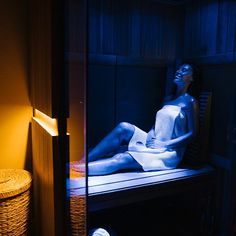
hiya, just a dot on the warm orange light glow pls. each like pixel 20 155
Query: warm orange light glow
pixel 14 136
pixel 48 123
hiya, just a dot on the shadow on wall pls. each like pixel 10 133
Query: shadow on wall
pixel 28 156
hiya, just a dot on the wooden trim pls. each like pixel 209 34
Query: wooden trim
pixel 112 60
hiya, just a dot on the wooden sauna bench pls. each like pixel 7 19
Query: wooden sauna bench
pixel 123 188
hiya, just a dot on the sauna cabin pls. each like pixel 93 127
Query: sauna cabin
pixel 93 64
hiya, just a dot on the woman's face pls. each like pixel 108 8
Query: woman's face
pixel 183 75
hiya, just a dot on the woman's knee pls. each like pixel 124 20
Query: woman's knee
pixel 125 130
pixel 125 161
pixel 119 159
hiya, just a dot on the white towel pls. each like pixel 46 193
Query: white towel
pixel 165 121
pixel 165 129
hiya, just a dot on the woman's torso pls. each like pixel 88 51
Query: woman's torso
pixel 183 105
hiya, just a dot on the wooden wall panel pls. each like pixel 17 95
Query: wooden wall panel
pixel 76 26
pixel 210 30
pixel 48 84
pixel 49 184
pixel 41 56
pixel 134 28
pixel 43 180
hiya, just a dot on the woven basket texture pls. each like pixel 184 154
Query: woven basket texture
pixel 77 205
pixel 14 201
pixel 78 215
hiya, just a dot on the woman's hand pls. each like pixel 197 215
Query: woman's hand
pixel 150 135
pixel 154 143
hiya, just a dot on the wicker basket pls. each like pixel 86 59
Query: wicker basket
pixel 77 205
pixel 14 201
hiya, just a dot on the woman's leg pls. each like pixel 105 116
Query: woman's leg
pixel 123 132
pixel 110 165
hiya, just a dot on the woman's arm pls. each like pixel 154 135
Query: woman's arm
pixel 192 119
pixel 151 134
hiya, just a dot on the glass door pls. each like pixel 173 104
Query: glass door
pixel 76 62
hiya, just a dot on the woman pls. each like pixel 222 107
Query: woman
pixel 159 149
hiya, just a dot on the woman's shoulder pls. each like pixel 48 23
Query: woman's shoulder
pixel 190 98
pixel 190 101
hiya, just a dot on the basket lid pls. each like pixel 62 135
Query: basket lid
pixel 13 182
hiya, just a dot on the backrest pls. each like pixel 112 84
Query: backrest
pixel 197 150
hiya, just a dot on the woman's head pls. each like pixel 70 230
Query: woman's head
pixel 184 75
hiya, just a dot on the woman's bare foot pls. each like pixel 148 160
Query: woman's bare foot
pixel 79 166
